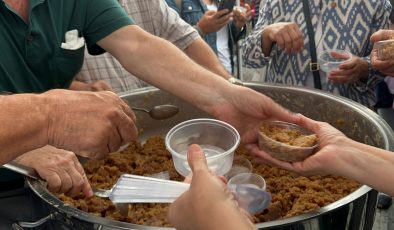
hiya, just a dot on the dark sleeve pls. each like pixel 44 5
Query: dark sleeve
pixel 103 17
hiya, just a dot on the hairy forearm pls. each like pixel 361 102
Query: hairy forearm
pixel 201 53
pixel 142 54
pixel 24 124
pixel 366 164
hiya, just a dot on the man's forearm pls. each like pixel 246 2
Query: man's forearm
pixel 23 124
pixel 201 52
pixel 142 54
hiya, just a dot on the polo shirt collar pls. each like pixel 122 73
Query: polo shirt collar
pixel 32 3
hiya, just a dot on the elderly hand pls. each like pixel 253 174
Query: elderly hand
pixel 287 36
pixel 331 142
pixel 89 124
pixel 241 18
pixel 349 72
pixel 213 21
pixel 208 204
pixel 386 66
pixel 59 168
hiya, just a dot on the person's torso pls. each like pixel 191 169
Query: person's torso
pixel 192 11
pixel 345 25
pixel 35 60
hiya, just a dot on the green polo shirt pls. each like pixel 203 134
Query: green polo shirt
pixel 32 59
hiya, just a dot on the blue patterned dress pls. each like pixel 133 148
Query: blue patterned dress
pixel 348 26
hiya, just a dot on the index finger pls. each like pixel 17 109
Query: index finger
pixel 382 35
pixel 347 65
pixel 307 123
pixel 128 110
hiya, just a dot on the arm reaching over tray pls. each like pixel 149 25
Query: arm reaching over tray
pixel 342 156
pixel 90 124
pixel 242 107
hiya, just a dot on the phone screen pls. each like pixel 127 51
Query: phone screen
pixel 226 4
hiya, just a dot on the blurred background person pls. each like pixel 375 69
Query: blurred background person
pixel 220 29
pixel 280 40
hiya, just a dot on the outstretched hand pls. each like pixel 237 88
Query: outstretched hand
pixel 330 141
pixel 246 109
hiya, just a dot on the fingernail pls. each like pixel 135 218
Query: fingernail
pixel 90 193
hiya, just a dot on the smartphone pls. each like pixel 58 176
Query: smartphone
pixel 226 4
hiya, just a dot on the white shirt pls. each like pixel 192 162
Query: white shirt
pixel 157 18
pixel 222 38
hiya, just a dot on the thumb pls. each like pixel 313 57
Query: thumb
pixel 308 123
pixel 382 35
pixel 196 158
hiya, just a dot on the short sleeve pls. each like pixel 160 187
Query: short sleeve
pixel 103 17
pixel 172 27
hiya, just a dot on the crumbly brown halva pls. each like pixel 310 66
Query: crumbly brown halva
pixel 291 194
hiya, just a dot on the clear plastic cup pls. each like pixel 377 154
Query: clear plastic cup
pixel 217 139
pixel 330 60
pixel 240 165
pixel 249 191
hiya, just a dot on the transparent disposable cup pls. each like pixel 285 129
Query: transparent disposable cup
pixel 240 165
pixel 217 139
pixel 330 60
pixel 249 191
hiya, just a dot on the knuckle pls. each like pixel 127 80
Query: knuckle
pixel 54 185
pixel 79 182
